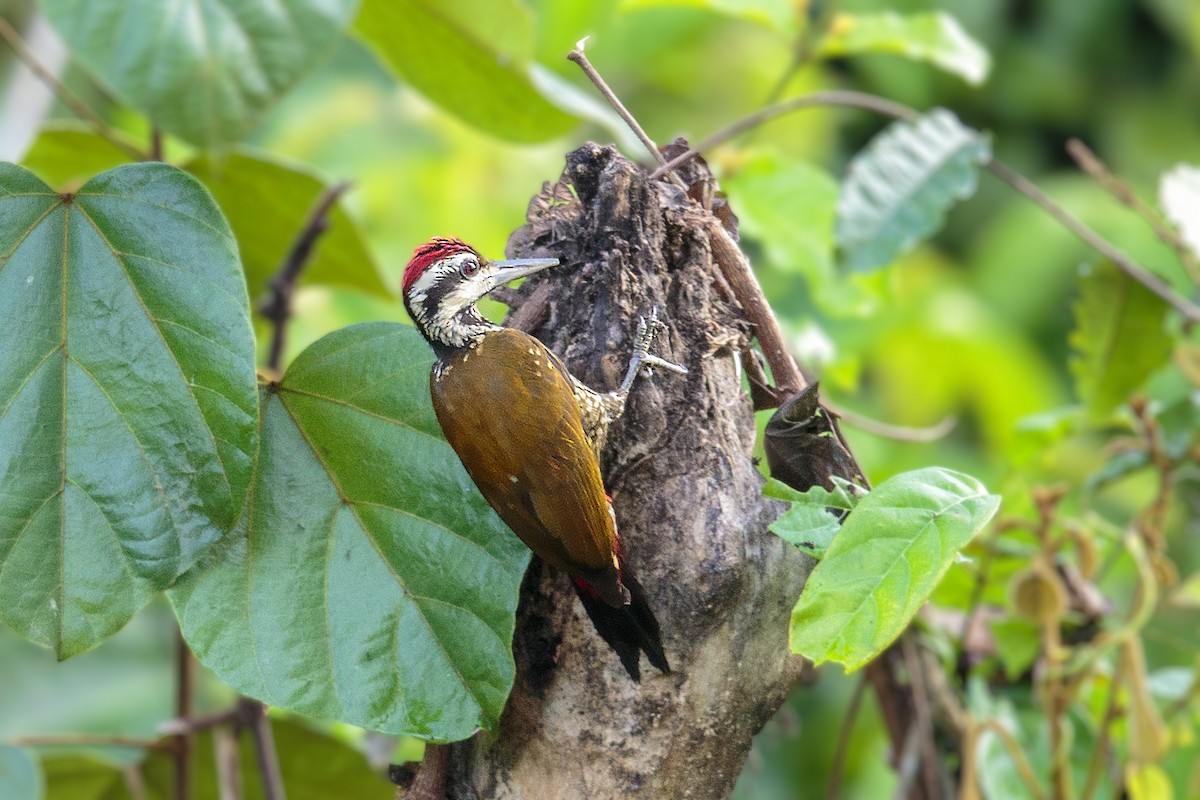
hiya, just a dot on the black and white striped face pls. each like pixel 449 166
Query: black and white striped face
pixel 444 280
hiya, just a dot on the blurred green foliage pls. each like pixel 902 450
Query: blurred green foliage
pixel 974 324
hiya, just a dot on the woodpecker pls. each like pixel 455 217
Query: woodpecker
pixel 529 434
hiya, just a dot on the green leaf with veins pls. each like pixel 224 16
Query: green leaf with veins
pixel 899 187
pixel 809 523
pixel 204 70
pixel 127 395
pixel 369 581
pixel 935 37
pixel 892 550
pixel 1119 339
pixel 471 58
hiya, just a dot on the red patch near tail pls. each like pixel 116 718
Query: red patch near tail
pixel 432 251
pixel 587 587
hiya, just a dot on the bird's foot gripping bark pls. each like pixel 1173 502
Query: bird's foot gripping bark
pixel 642 358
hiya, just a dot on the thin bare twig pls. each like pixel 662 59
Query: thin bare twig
pixel 899 433
pixel 69 98
pixel 843 742
pixel 1090 163
pixel 277 308
pixel 1189 310
pixel 846 99
pixel 264 749
pixel 579 58
pixel 185 678
pixel 1026 187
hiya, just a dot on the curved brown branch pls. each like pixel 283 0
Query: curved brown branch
pixel 277 308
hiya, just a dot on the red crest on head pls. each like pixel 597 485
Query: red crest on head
pixel 432 251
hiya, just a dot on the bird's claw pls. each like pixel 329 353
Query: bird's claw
pixel 648 327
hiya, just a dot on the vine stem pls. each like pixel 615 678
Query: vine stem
pixel 1024 186
pixel 69 98
pixel 1090 163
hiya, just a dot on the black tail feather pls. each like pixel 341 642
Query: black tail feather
pixel 629 630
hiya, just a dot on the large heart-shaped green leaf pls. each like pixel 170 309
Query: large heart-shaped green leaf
pixel 471 57
pixel 892 550
pixel 370 581
pixel 204 70
pixel 127 395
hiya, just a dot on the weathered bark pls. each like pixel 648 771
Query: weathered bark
pixel 687 497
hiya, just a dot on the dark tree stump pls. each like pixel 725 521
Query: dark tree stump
pixel 687 496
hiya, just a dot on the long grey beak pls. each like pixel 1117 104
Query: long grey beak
pixel 519 267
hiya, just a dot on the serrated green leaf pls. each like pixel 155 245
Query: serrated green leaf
pixel 20 778
pixel 127 400
pixel 267 202
pixel 935 37
pixel 371 582
pixel 470 57
pixel 1179 196
pixel 204 70
pixel 899 187
pixel 789 207
pixel 892 550
pixel 1119 338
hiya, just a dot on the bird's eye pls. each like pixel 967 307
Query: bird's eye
pixel 469 267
